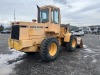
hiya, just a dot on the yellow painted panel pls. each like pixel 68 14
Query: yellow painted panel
pixel 24 33
pixel 10 43
pixel 20 44
pixel 17 45
pixel 67 37
pixel 54 28
pixel 31 49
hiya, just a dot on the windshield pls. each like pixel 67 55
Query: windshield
pixel 44 16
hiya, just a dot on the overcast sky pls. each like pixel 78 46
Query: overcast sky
pixel 75 12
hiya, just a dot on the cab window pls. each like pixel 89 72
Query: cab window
pixel 55 16
pixel 44 15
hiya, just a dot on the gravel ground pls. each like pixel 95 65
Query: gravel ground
pixel 85 61
pixel 4 43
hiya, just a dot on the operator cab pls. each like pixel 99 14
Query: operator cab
pixel 48 14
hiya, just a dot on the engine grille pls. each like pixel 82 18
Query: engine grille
pixel 15 32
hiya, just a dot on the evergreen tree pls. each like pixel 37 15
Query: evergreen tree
pixel 1 27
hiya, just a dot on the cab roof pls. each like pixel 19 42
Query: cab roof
pixel 49 6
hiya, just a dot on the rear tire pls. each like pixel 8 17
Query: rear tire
pixel 71 46
pixel 49 49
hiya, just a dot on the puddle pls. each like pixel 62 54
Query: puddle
pixel 5 67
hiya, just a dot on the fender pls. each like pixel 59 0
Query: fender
pixel 67 37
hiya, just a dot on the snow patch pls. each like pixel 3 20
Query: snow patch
pixel 5 67
pixel 85 46
pixel 94 60
pixel 86 56
pixel 6 57
pixel 88 49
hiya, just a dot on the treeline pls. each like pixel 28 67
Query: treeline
pixel 1 28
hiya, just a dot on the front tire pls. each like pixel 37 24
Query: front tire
pixel 49 49
pixel 71 46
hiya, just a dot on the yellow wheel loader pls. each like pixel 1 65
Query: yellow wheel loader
pixel 44 36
